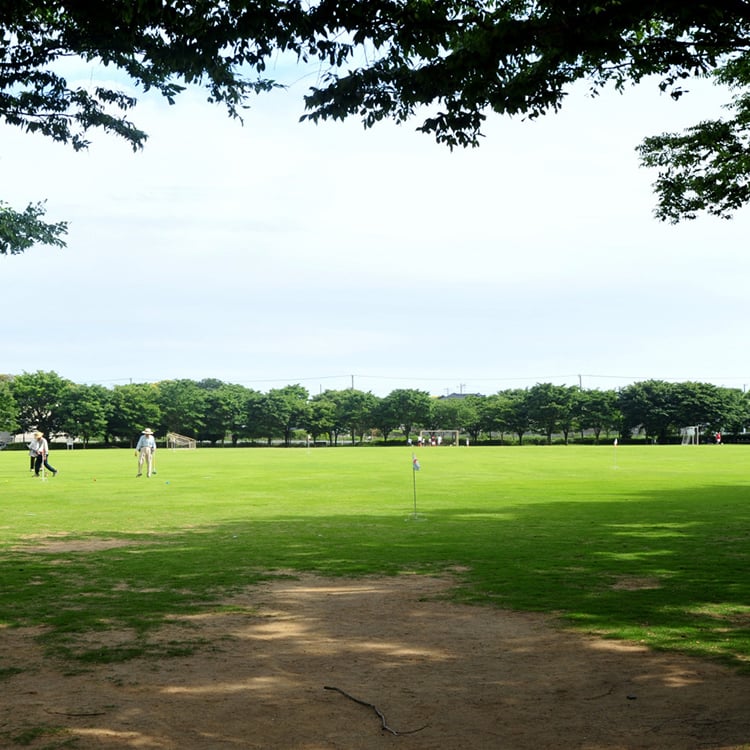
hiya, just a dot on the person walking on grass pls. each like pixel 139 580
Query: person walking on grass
pixel 145 449
pixel 40 447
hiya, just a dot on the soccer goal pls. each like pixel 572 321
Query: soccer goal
pixel 180 441
pixel 439 437
pixel 690 435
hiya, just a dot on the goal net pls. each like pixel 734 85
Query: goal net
pixel 179 441
pixel 439 437
pixel 690 435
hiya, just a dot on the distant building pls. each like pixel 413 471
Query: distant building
pixel 460 395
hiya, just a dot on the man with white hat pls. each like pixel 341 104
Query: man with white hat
pixel 145 449
pixel 40 449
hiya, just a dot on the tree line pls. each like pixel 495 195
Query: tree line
pixel 215 412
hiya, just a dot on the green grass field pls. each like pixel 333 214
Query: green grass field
pixel 650 544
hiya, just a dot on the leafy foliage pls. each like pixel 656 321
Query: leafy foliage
pixel 448 62
pixel 705 168
pixel 518 57
pixel 134 406
pixel 85 409
pixel 407 407
pixel 8 409
pixel 21 230
pixel 213 411
pixel 38 396
pixel 155 44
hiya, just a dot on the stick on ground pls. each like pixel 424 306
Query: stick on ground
pixel 383 722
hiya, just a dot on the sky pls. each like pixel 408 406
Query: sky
pixel 276 252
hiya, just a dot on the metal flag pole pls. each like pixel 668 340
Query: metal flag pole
pixel 615 454
pixel 415 468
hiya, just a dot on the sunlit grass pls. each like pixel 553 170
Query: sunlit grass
pixel 646 543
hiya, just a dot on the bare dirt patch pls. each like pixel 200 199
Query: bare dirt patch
pixel 635 583
pixel 63 543
pixel 464 677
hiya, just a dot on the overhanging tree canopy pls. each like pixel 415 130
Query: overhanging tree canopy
pixel 388 59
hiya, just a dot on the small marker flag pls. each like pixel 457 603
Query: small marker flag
pixel 415 463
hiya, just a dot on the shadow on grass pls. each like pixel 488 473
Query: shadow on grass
pixel 668 569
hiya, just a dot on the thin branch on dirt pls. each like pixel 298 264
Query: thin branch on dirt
pixel 602 695
pixel 65 713
pixel 376 710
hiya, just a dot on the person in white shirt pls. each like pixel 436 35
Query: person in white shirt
pixel 145 449
pixel 40 448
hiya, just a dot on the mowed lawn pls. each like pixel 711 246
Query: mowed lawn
pixel 647 543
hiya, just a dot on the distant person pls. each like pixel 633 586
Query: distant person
pixel 718 438
pixel 32 456
pixel 145 449
pixel 40 446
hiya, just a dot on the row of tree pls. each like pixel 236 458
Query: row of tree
pixel 212 411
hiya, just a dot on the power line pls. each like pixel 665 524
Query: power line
pixel 351 378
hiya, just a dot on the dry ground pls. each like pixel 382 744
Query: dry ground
pixel 461 676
